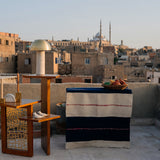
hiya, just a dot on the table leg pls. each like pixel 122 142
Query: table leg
pixel 45 108
pixel 3 129
pixel 30 131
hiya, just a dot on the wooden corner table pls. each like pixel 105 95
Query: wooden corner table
pixel 17 126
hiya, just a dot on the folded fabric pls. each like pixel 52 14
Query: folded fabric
pixel 98 117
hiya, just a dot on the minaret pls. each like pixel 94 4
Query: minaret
pixel 100 43
pixel 109 32
pixel 52 39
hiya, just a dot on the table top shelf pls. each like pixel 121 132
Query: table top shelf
pixel 39 120
pixel 23 103
pixel 49 76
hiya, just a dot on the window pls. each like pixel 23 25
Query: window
pixel 87 60
pixel 27 61
pixel 6 59
pixel 56 60
pixel 7 42
pixel 1 59
pixel 106 61
pixel 87 81
pixel 58 80
pixel 113 77
pixel 0 41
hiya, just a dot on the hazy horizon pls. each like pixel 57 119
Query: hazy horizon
pixel 135 22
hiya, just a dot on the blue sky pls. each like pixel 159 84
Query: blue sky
pixel 136 22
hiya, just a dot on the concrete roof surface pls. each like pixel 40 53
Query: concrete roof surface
pixel 145 145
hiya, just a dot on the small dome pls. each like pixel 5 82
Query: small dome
pixel 40 45
pixel 97 35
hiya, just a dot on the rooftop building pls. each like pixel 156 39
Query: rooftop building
pixel 7 52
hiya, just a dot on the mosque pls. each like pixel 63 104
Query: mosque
pixel 97 40
pixel 100 38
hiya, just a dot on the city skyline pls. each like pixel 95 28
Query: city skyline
pixel 134 22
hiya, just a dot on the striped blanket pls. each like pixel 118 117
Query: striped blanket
pixel 98 117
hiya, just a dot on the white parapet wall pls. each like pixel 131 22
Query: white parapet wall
pixel 145 95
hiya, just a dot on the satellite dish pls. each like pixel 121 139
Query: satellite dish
pixel 10 98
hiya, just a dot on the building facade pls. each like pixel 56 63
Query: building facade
pixel 99 65
pixel 7 52
pixel 22 46
pixel 26 62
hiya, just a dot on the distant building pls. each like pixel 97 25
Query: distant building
pixel 156 60
pixel 7 52
pixel 123 59
pixel 22 46
pixel 94 43
pixel 65 57
pixel 135 74
pixel 153 76
pixel 99 65
pixel 146 49
pixel 96 40
pixel 63 79
pixel 26 63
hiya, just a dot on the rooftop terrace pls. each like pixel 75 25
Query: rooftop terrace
pixel 145 145
pixel 145 134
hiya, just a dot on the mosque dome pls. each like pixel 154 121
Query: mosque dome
pixel 40 45
pixel 97 37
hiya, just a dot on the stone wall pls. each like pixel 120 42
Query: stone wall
pixel 77 79
pixel 135 74
pixel 50 66
pixel 66 57
pixel 23 67
pixel 107 49
pixel 64 69
pixel 116 71
pixel 96 60
pixel 49 63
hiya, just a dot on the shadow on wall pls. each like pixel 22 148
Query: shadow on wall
pixel 145 100
pixel 158 104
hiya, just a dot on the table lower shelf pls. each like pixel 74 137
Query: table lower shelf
pixel 39 120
